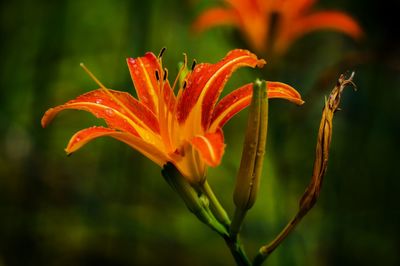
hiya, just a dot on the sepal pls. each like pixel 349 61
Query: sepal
pixel 195 201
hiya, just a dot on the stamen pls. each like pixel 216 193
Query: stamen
pixel 162 52
pixel 112 96
pixel 184 85
pixel 163 111
pixel 193 64
pixel 180 71
pixel 93 76
pixel 157 75
pixel 165 74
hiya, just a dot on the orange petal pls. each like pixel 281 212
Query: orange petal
pixel 283 91
pixel 302 6
pixel 333 20
pixel 291 9
pixel 86 135
pixel 254 21
pixel 143 72
pixel 241 98
pixel 205 83
pixel 210 146
pixel 214 17
pixel 127 114
pixel 252 18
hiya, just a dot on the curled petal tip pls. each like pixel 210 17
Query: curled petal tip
pixel 284 91
pixel 261 63
pixel 68 152
pixel 47 117
pixel 43 123
pixel 298 101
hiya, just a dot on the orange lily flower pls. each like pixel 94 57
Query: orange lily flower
pixel 272 25
pixel 184 129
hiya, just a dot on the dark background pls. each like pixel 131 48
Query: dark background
pixel 108 205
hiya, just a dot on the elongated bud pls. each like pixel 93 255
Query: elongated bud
pixel 311 194
pixel 248 178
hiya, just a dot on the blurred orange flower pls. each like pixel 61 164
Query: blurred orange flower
pixel 272 25
pixel 184 129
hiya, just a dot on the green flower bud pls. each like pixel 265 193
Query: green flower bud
pixel 248 178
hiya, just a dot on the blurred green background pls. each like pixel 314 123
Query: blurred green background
pixel 108 205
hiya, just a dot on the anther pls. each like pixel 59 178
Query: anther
pixel 162 52
pixel 157 75
pixel 165 74
pixel 184 85
pixel 193 64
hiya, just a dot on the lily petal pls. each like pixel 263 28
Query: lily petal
pixel 215 17
pixel 84 136
pixel 119 109
pixel 253 18
pixel 210 146
pixel 334 20
pixel 302 6
pixel 293 9
pixel 205 83
pixel 283 91
pixel 272 25
pixel 143 72
pixel 239 99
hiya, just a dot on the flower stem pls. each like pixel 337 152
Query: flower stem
pixel 215 205
pixel 266 250
pixel 237 220
pixel 237 251
pixel 196 203
pixel 232 241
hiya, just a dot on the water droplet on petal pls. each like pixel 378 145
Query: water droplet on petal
pixel 110 112
pixel 99 101
pixel 137 72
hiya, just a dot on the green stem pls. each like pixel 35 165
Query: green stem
pixel 237 251
pixel 266 250
pixel 237 221
pixel 235 247
pixel 196 203
pixel 215 205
